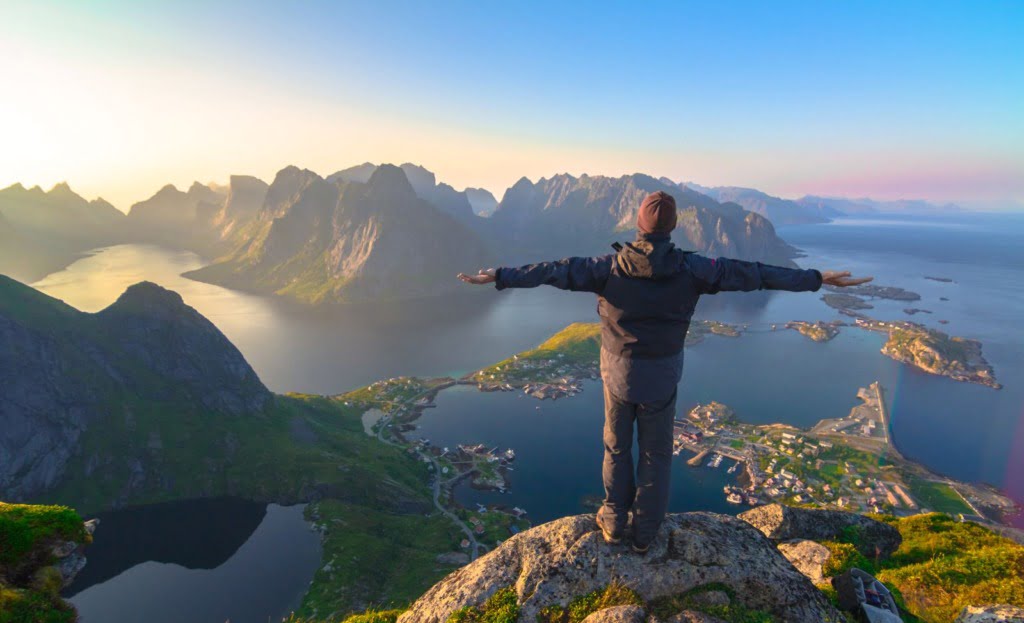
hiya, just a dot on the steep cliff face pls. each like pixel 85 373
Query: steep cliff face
pixel 347 241
pixel 67 376
pixel 549 566
pixel 570 215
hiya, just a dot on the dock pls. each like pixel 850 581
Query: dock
pixel 699 458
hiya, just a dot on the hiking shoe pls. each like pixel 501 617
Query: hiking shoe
pixel 641 548
pixel 612 537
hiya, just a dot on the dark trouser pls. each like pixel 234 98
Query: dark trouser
pixel 647 494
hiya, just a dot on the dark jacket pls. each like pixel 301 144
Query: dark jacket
pixel 648 290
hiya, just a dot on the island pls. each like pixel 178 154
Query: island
pixel 558 367
pixel 845 302
pixel 933 351
pixel 910 311
pixel 819 331
pixel 891 293
pixel 940 279
pixel 847 463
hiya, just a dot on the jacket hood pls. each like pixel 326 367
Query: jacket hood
pixel 650 256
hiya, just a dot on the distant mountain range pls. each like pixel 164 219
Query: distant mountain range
pixel 815 209
pixel 867 207
pixel 381 232
pixel 567 215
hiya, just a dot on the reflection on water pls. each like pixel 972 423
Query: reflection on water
pixel 200 534
pixel 202 561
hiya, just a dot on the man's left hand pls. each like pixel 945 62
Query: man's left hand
pixel 842 279
pixel 483 277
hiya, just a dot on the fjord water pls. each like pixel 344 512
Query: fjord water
pixel 966 431
pixel 202 560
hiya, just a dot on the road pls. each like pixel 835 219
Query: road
pixel 474 545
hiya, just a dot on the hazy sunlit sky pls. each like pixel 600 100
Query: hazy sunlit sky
pixel 888 99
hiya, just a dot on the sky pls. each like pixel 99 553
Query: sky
pixel 882 99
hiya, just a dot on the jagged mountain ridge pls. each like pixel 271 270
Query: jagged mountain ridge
pixel 581 215
pixel 67 375
pixel 423 181
pixel 342 240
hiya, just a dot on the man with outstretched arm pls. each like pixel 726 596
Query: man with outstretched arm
pixel 646 294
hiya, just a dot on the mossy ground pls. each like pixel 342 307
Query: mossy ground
pixel 615 594
pixel 941 566
pixel 501 607
pixel 29 586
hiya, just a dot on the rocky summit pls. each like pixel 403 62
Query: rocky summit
pixel 551 565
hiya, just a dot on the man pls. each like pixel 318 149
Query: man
pixel 646 295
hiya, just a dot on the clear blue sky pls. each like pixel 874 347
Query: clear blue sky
pixel 888 99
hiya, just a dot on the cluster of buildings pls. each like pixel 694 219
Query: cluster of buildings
pixel 540 378
pixel 782 464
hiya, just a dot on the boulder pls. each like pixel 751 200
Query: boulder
pixel 991 614
pixel 784 523
pixel 617 614
pixel 808 557
pixel 553 563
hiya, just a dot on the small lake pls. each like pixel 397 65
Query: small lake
pixel 201 561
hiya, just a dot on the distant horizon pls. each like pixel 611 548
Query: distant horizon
pixel 994 205
pixel 871 99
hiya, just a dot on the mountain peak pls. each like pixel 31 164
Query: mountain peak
pixel 148 295
pixel 62 188
pixel 391 180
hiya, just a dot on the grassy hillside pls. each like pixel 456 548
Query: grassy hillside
pixel 942 566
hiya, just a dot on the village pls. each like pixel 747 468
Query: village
pixel 847 463
pixel 389 409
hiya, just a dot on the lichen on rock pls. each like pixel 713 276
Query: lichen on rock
pixel 555 563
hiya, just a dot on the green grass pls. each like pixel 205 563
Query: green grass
pixel 941 566
pixel 371 556
pixel 29 586
pixel 25 528
pixel 30 606
pixel 582 606
pixel 501 607
pixel 939 497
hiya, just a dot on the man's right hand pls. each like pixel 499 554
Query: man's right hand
pixel 842 279
pixel 483 277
